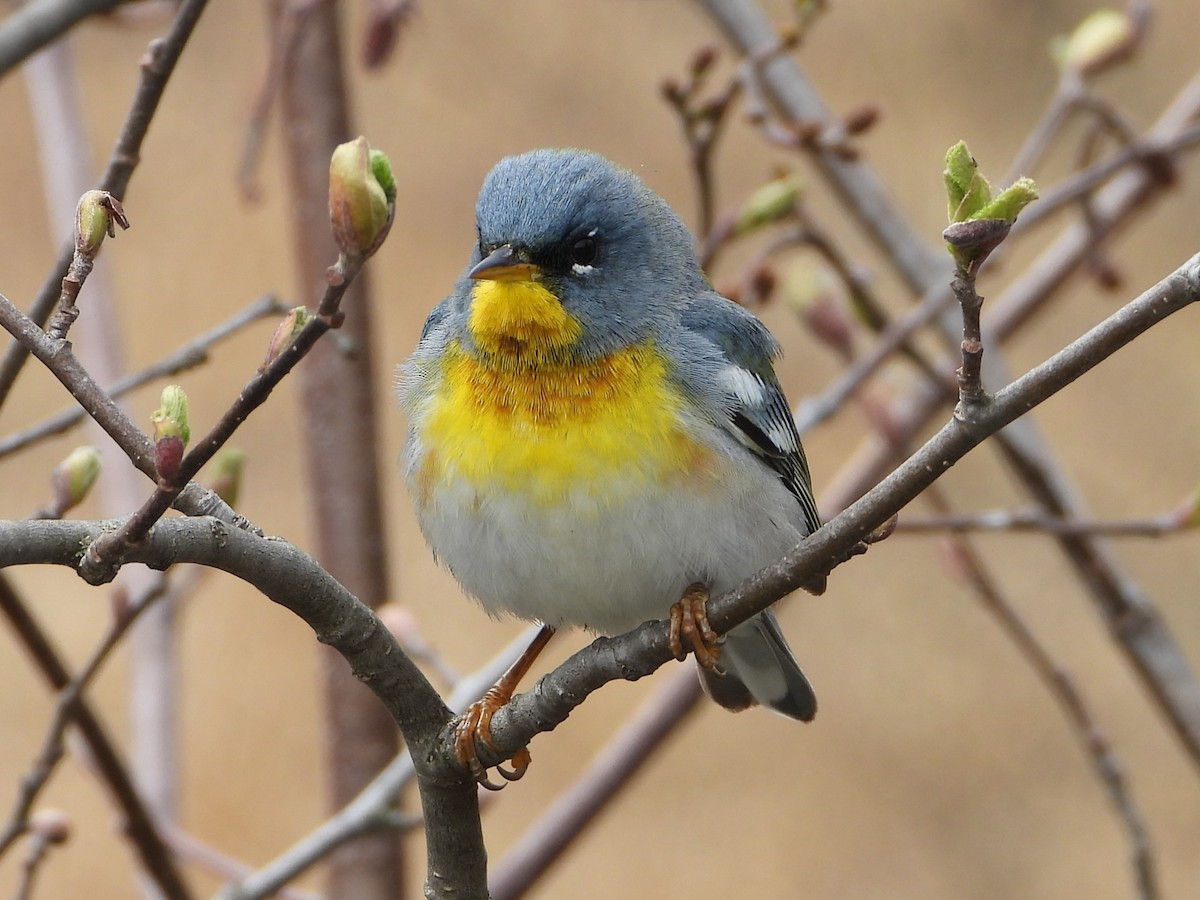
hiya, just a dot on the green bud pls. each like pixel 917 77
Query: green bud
pixel 1104 38
pixel 288 329
pixel 979 222
pixel 74 476
pixel 770 203
pixel 96 218
pixel 359 206
pixel 1008 204
pixel 967 191
pixel 170 420
pixel 225 474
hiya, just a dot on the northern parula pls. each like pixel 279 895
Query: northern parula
pixel 595 433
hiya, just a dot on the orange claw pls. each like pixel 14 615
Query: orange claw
pixel 474 726
pixel 689 622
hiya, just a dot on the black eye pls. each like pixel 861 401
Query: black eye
pixel 583 251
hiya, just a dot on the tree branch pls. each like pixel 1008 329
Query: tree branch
pixel 366 811
pixel 157 66
pixel 59 359
pixel 35 24
pixel 1135 623
pixel 138 824
pixel 635 654
pixel 191 354
pixel 294 580
pixel 1018 521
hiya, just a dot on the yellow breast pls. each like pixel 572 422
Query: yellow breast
pixel 525 418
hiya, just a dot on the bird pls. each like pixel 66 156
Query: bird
pixel 597 438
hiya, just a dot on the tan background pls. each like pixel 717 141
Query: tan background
pixel 938 767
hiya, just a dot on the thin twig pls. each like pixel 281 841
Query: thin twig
pixel 970 381
pixel 191 848
pixel 138 825
pixel 188 356
pixel 36 23
pixel 368 809
pixel 1035 520
pixel 1149 153
pixel 702 122
pixel 814 410
pixel 156 66
pixel 284 40
pixel 1070 700
pixel 37 852
pixel 1067 95
pixel 609 771
pixel 59 359
pixel 64 713
pixel 101 562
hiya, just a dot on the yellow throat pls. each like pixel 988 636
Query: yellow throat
pixel 523 416
pixel 509 313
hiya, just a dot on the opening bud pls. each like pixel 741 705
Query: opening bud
pixel 362 193
pixel 967 191
pixel 96 218
pixel 171 418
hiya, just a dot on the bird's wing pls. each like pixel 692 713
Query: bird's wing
pixel 740 380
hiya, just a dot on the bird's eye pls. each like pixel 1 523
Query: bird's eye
pixel 583 251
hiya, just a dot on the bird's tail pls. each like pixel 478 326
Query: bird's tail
pixel 759 668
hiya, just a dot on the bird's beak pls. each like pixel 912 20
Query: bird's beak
pixel 504 264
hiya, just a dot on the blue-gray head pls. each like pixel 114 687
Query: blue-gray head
pixel 609 250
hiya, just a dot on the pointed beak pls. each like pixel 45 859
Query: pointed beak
pixel 504 264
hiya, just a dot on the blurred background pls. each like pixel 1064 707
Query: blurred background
pixel 938 767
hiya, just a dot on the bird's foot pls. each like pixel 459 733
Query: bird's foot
pixel 473 728
pixel 690 628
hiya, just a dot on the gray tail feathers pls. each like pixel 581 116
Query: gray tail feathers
pixel 759 668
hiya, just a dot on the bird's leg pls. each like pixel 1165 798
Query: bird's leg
pixel 476 723
pixel 689 623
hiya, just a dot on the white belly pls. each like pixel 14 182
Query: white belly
pixel 608 562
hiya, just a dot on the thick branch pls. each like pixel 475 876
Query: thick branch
pixel 633 655
pixel 294 580
pixel 1131 616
